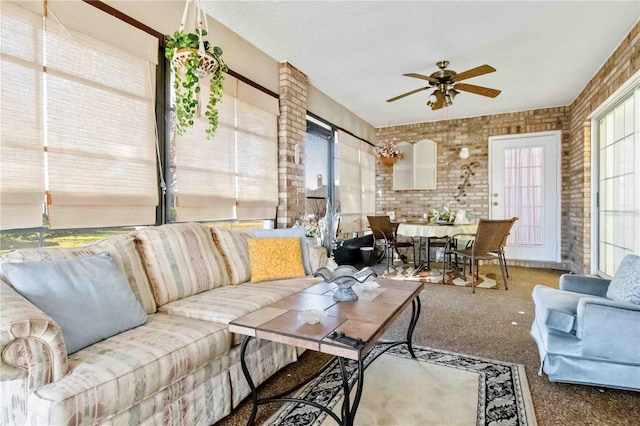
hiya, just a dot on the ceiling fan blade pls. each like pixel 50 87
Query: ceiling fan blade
pixel 478 90
pixel 439 103
pixel 474 72
pixel 407 94
pixel 423 77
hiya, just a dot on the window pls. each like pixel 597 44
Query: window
pixel 617 139
pixel 79 122
pixel 318 171
pixel 96 160
pixel 356 182
pixel 523 192
pixel 233 176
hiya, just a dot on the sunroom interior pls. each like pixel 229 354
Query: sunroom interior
pixel 89 146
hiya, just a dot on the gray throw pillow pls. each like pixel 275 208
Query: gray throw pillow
pixel 285 233
pixel 625 285
pixel 88 297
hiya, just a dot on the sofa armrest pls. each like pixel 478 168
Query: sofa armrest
pixel 31 343
pixel 593 286
pixel 609 329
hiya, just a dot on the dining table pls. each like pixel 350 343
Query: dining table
pixel 424 230
pixel 432 229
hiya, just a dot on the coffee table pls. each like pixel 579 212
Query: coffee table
pixel 349 331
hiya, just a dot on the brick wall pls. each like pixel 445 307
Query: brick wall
pixel 451 135
pixel 621 65
pixel 292 128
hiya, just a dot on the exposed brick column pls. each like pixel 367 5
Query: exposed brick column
pixel 292 128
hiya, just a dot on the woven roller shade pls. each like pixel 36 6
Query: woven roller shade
pixel 368 180
pixel 21 128
pixel 101 168
pixel 350 184
pixel 257 153
pixel 205 168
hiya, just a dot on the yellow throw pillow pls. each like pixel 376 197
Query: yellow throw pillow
pixel 275 259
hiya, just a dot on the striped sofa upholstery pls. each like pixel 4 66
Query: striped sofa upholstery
pixel 234 248
pixel 123 251
pixel 181 260
pixel 181 367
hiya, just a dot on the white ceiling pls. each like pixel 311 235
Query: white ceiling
pixel 356 51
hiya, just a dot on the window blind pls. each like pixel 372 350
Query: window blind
pixel 350 183
pixel 205 168
pixel 257 153
pixel 100 122
pixel 368 180
pixel 22 180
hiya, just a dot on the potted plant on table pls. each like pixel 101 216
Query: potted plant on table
pixel 388 152
pixel 191 60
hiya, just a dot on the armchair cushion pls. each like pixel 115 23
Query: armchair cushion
pixel 88 297
pixel 625 285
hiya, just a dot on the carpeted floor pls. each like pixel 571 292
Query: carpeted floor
pixel 492 324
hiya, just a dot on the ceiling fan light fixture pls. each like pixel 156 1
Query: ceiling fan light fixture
pixel 447 100
pixel 453 93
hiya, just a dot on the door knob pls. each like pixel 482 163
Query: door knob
pixel 495 203
pixel 495 194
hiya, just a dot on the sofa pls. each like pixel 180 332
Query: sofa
pixel 177 363
pixel 588 330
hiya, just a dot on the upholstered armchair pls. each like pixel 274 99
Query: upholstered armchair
pixel 588 331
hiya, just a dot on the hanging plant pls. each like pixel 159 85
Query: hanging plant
pixel 192 59
pixel 190 64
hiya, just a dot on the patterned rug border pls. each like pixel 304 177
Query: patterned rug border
pixel 500 401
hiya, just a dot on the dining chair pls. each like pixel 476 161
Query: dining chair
pixel 504 243
pixel 385 236
pixel 488 244
pixel 435 242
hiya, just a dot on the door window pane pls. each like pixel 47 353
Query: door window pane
pixel 523 188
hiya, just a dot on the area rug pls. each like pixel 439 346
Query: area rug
pixel 406 272
pixel 437 388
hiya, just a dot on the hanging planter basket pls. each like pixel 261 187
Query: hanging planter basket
pixel 207 63
pixel 388 161
pixel 193 62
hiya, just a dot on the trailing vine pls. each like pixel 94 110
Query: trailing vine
pixel 186 83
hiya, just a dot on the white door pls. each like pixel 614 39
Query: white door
pixel 524 174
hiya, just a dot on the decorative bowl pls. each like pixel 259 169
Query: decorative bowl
pixel 345 277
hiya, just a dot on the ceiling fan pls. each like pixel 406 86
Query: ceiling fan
pixel 447 85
